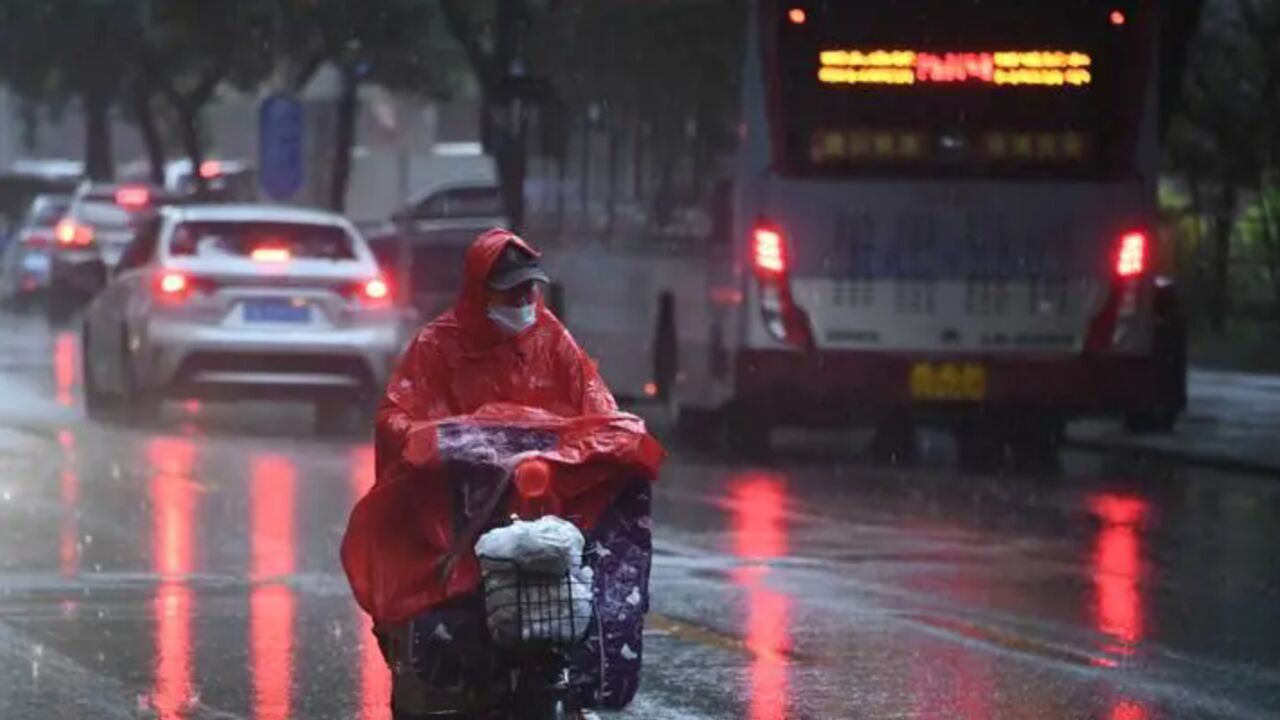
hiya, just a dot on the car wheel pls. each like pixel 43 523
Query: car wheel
pixel 59 308
pixel 98 404
pixel 141 405
pixel 1034 445
pixel 980 447
pixel 894 443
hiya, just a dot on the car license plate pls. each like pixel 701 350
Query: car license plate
pixel 948 381
pixel 36 263
pixel 277 311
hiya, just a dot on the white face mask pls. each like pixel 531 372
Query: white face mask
pixel 513 320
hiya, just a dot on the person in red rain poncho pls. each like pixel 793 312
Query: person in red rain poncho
pixel 498 347
pixel 499 343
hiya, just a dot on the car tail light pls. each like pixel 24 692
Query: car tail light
pixel 375 291
pixel 271 254
pixel 133 196
pixel 176 286
pixel 70 233
pixel 783 317
pixel 210 169
pixel 1131 254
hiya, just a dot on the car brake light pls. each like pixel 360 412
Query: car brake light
pixel 172 283
pixel 1131 254
pixel 768 252
pixel 374 291
pixel 271 254
pixel 210 169
pixel 133 197
pixel 72 233
pixel 377 289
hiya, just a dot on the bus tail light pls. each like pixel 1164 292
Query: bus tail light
pixel 1131 254
pixel 770 259
pixel 1114 324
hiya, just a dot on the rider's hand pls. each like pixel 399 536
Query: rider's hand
pixel 420 446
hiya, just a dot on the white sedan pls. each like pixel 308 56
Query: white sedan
pixel 241 301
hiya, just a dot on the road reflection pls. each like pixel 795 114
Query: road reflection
pixel 173 507
pixel 272 602
pixel 69 497
pixel 1116 569
pixel 760 534
pixel 375 679
pixel 66 360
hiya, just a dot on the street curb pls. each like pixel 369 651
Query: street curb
pixel 1210 461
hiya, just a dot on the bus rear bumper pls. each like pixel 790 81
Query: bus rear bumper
pixel 845 387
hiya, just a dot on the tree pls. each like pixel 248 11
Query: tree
pixel 1223 139
pixel 492 39
pixel 187 50
pixel 58 49
pixel 389 43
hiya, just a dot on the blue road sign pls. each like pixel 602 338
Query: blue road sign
pixel 280 149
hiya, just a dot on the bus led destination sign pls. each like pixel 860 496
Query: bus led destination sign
pixel 1045 68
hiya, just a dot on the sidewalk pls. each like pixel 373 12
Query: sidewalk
pixel 1232 420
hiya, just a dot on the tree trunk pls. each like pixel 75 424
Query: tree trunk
pixel 189 123
pixel 511 160
pixel 584 177
pixel 99 164
pixel 611 181
pixel 1220 298
pixel 150 134
pixel 343 142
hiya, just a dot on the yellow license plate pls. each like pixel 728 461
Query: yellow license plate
pixel 948 381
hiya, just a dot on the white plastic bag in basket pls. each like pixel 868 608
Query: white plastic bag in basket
pixel 548 546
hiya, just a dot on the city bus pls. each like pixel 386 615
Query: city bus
pixel 939 213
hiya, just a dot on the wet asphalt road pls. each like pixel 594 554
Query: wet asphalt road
pixel 191 571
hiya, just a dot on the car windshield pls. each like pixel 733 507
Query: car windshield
pixel 105 214
pixel 261 240
pixel 46 212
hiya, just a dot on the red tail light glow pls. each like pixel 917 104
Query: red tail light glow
pixel 172 283
pixel 768 252
pixel 72 233
pixel 210 168
pixel 377 289
pixel 271 254
pixel 1131 254
pixel 133 196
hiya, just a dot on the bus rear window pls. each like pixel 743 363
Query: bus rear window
pixel 936 87
pixel 273 239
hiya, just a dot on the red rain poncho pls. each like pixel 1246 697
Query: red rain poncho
pixel 463 370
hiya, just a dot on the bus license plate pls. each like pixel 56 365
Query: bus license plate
pixel 948 381
pixel 277 311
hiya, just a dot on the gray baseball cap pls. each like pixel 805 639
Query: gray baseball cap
pixel 515 267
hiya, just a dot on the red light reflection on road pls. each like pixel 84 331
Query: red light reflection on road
pixel 272 603
pixel 69 495
pixel 173 512
pixel 375 679
pixel 1128 710
pixel 66 356
pixel 759 533
pixel 1116 568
